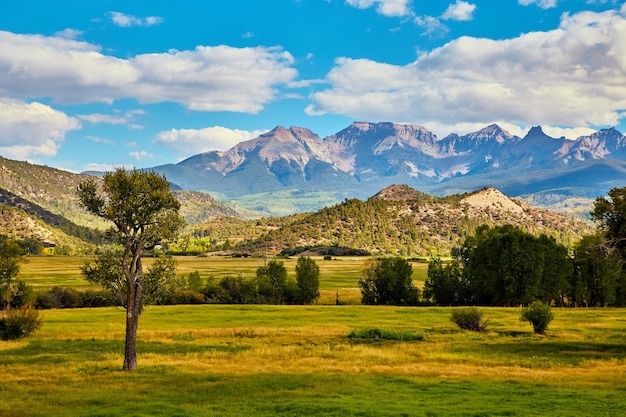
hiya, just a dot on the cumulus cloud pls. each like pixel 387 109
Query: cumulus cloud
pixel 572 76
pixel 384 7
pixel 459 11
pixel 126 20
pixel 187 142
pixel 543 4
pixel 219 78
pixel 32 129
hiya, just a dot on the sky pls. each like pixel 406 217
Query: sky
pixel 92 85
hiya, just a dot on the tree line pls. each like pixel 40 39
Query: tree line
pixel 505 266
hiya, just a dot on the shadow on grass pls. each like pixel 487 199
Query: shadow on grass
pixel 59 351
pixel 555 353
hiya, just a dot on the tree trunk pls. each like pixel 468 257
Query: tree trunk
pixel 130 350
pixel 133 310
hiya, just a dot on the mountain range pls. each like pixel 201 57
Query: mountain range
pixel 289 170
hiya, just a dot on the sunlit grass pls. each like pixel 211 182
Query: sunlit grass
pixel 232 360
pixel 215 360
pixel 338 277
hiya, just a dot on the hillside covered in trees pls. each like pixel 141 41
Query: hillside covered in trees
pixel 41 202
pixel 400 220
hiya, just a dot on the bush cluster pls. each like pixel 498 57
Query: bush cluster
pixel 18 323
pixel 469 318
pixel 378 334
pixel 539 315
pixel 64 297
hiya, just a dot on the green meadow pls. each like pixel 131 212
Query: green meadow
pixel 233 360
pixel 337 277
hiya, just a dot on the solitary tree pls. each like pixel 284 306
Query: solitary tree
pixel 144 213
pixel 307 280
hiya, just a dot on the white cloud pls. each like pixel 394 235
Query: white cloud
pixel 102 118
pixel 187 142
pixel 117 119
pixel 432 26
pixel 543 4
pixel 106 167
pixel 459 11
pixel 32 129
pixel 69 33
pixel 572 76
pixel 97 139
pixel 141 155
pixel 384 7
pixel 126 20
pixel 219 78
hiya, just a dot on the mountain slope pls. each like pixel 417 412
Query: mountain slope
pixel 49 195
pixel 400 220
pixel 284 164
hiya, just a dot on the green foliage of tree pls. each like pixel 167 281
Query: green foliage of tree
pixel 307 280
pixel 272 284
pixel 31 246
pixel 597 273
pixel 161 281
pixel 11 254
pixel 144 213
pixel 445 284
pixel 539 315
pixel 507 266
pixel 194 281
pixel 610 215
pixel 388 281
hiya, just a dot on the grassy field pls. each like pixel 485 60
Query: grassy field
pixel 338 276
pixel 216 360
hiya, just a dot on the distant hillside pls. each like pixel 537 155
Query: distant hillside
pixel 53 190
pixel 50 195
pixel 20 225
pixel 401 220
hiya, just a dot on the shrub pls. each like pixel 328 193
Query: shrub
pixel 59 297
pixel 375 333
pixel 539 315
pixel 469 318
pixel 18 323
pixel 23 296
pixel 98 298
pixel 230 290
pixel 184 296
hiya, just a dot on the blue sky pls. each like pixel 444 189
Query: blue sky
pixel 97 84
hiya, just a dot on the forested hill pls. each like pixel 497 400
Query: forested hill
pixel 400 220
pixel 49 194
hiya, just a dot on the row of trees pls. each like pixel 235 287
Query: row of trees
pixel 505 266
